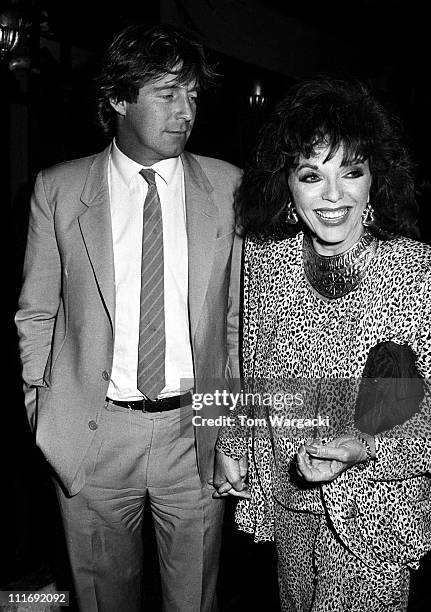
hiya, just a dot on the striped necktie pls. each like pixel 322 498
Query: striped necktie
pixel 151 348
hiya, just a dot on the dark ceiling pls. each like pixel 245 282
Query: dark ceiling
pixel 90 23
pixel 387 28
pixel 391 26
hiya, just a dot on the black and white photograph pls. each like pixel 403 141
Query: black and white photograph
pixel 218 322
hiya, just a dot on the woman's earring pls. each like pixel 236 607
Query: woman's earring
pixel 291 216
pixel 368 215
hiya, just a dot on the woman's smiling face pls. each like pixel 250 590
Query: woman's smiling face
pixel 330 198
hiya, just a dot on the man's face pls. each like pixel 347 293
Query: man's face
pixel 158 125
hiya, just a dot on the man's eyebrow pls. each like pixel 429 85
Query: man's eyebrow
pixel 166 86
pixel 173 86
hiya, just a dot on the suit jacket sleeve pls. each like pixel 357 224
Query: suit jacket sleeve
pixel 40 294
pixel 233 314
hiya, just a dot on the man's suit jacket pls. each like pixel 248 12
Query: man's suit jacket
pixel 67 304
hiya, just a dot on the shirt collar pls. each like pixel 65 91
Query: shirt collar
pixel 127 168
pixel 167 168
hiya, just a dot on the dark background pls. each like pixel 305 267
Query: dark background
pixel 47 115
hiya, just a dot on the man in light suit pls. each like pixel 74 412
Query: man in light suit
pixel 129 304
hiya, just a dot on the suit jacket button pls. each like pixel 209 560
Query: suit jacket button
pixel 92 425
pixel 105 375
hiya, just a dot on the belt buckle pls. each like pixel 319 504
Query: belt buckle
pixel 153 403
pixel 150 403
pixel 144 404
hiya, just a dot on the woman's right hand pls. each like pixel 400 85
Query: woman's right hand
pixel 319 463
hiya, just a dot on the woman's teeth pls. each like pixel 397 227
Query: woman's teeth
pixel 332 214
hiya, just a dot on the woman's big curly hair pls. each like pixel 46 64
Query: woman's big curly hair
pixel 331 113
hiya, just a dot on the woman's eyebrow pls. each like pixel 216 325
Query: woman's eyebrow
pixel 306 165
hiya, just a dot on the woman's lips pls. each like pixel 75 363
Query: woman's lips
pixel 332 216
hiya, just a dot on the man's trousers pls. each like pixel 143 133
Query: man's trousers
pixel 136 454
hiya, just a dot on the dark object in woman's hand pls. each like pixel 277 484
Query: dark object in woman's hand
pixel 391 388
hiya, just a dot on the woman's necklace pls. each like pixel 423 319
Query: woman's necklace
pixel 334 276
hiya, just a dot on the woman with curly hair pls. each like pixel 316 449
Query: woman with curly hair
pixel 336 333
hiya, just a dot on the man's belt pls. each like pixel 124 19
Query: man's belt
pixel 157 405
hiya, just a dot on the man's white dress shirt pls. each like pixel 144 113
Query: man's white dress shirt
pixel 128 190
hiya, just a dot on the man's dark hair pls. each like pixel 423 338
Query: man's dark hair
pixel 139 54
pixel 333 113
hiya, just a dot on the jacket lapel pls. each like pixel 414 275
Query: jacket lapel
pixel 201 231
pixel 95 224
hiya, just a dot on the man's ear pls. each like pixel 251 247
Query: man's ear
pixel 119 106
